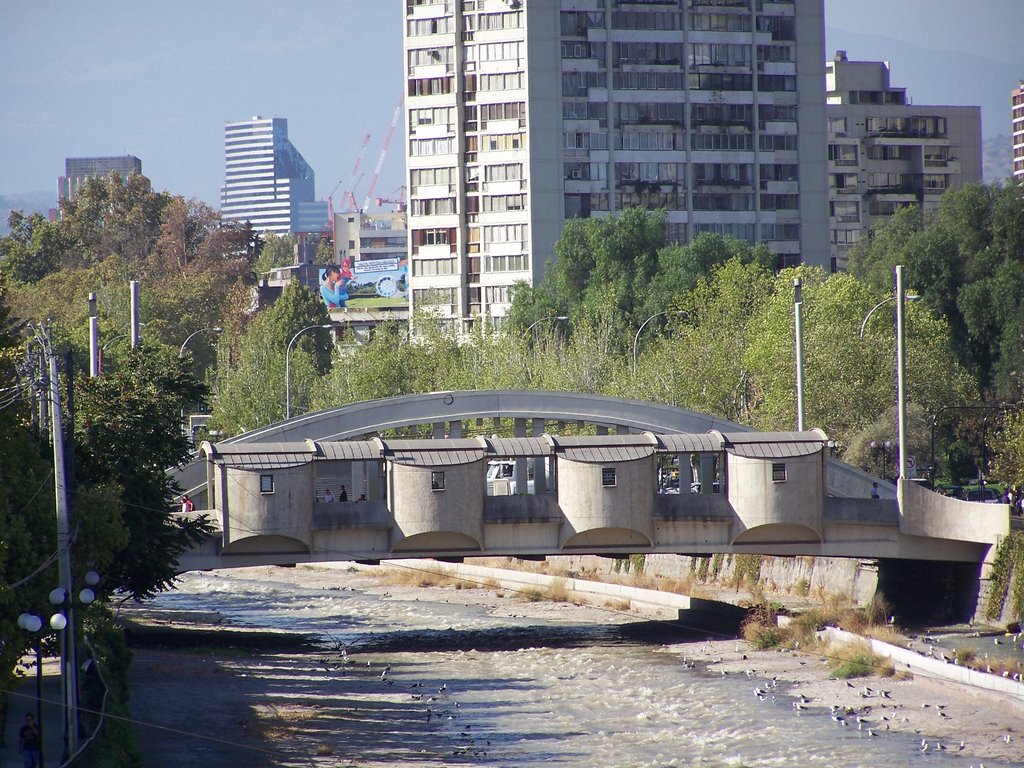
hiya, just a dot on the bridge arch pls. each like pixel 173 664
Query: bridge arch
pixel 453 407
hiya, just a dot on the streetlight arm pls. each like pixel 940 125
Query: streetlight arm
pixel 288 368
pixel 636 338
pixel 531 326
pixel 864 322
pixel 213 329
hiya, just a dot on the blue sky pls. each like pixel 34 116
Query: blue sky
pixel 109 77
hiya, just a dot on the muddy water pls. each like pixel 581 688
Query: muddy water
pixel 484 684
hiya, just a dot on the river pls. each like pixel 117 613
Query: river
pixel 473 679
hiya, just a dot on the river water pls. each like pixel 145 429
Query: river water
pixel 497 688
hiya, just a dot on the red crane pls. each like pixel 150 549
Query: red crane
pixel 398 202
pixel 383 153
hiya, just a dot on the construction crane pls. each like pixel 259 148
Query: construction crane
pixel 383 153
pixel 398 202
pixel 353 181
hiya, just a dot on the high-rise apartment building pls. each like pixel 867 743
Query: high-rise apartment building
pixel 524 113
pixel 267 181
pixel 885 153
pixel 1017 129
pixel 78 169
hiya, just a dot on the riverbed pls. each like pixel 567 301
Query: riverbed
pixel 438 676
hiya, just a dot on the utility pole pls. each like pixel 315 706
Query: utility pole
pixel 69 672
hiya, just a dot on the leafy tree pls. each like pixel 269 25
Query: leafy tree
pixel 34 248
pixel 1008 459
pixel 277 251
pixel 252 391
pixel 129 432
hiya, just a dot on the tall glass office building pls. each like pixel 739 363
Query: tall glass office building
pixel 267 181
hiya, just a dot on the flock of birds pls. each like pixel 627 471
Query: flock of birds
pixel 438 703
pixel 872 718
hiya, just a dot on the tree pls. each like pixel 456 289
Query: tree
pixel 129 433
pixel 252 391
pixel 33 250
pixel 276 251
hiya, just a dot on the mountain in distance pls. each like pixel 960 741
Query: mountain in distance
pixel 29 202
pixel 996 159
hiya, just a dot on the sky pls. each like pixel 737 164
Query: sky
pixel 159 80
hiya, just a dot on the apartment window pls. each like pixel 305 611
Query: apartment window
pixel 438 26
pixel 431 177
pixel 779 202
pixel 778 472
pixel 585 171
pixel 773 232
pixel 648 53
pixel 842 154
pixel 723 114
pixel 502 203
pixel 434 207
pixel 576 23
pixel 650 140
pixel 719 54
pixel 847 211
pixel 649 81
pixel 769 83
pixel 498 294
pixel 516 263
pixel 720 81
pixel 425 147
pixel 608 477
pixel 780 27
pixel 775 142
pixel 433 267
pixel 719 141
pixel 430 86
pixel 266 483
pixel 723 202
pixel 579 83
pixel 672 199
pixel 583 140
pixel 656 20
pixel 845 236
pixel 720 22
pixel 504 233
pixel 504 81
pixel 422 57
pixel 743 232
pixel 496 52
pixel 431 116
pixel 501 20
pixel 723 173
pixel 647 113
pixel 503 172
pixel 837 125
pixel 577 49
pixel 777 113
pixel 433 236
pixel 662 172
pixel 780 172
pixel 503 142
pixel 437 298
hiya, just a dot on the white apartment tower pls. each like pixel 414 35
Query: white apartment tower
pixel 524 113
pixel 1017 117
pixel 885 153
pixel 267 181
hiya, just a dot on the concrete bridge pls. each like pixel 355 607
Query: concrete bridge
pixel 607 493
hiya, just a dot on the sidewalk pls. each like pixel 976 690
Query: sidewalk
pixel 22 702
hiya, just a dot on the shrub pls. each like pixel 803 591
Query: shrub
pixel 762 636
pixel 857 660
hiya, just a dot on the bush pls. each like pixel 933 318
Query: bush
pixel 762 636
pixel 857 660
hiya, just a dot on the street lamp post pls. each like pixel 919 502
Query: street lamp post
pixel 288 368
pixel 636 338
pixel 535 323
pixel 211 329
pixel 900 297
pixel 798 337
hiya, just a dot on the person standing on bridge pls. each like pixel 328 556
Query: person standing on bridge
pixel 30 743
pixel 328 496
pixel 187 505
pixel 874 491
pixel 343 494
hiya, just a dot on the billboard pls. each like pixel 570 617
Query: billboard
pixel 367 284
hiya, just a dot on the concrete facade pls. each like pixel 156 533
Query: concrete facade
pixel 885 153
pixel 521 116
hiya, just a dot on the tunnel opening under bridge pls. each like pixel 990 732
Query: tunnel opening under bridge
pixel 930 591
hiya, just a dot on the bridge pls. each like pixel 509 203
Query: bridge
pixel 609 492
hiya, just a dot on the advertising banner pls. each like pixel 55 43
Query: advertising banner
pixel 367 284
